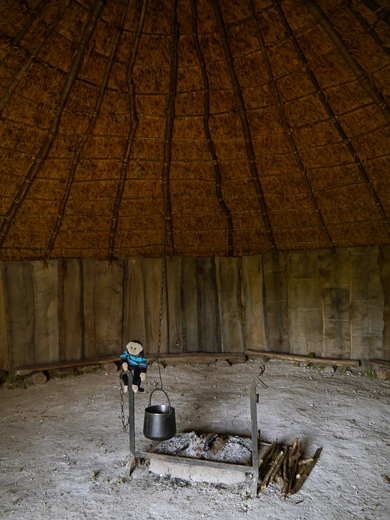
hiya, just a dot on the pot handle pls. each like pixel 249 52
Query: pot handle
pixel 166 395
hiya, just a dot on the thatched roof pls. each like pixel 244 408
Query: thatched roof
pixel 241 125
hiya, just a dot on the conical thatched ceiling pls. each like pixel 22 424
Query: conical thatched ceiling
pixel 241 125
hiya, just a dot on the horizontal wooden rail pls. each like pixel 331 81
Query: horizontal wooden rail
pixel 379 363
pixel 195 357
pixel 253 354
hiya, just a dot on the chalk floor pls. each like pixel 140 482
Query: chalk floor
pixel 63 452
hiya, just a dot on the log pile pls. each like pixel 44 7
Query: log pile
pixel 284 466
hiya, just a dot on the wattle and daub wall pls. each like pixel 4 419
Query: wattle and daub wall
pixel 301 302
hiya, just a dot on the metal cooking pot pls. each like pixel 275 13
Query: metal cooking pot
pixel 159 421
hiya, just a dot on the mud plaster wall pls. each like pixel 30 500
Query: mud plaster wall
pixel 333 305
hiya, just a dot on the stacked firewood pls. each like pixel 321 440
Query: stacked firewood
pixel 283 465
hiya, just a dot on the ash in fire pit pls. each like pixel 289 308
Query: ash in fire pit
pixel 211 446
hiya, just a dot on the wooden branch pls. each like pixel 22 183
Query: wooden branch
pixel 271 470
pixel 252 354
pixel 52 132
pixel 168 230
pixel 287 129
pixel 84 138
pixel 292 466
pixel 280 463
pixel 299 483
pixel 367 27
pixel 132 130
pixel 34 53
pixel 264 453
pixel 381 12
pixel 321 96
pixel 267 459
pixel 34 15
pixel 206 117
pixel 316 11
pixel 244 124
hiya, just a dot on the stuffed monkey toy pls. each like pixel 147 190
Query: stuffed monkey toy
pixel 133 359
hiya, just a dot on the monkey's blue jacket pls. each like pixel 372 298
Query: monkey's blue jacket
pixel 134 361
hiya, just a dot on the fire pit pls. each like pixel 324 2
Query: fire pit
pixel 228 459
pixel 208 467
pixel 195 452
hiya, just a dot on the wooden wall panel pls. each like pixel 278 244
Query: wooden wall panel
pixel 276 301
pixel 230 305
pixel 19 298
pixel 366 304
pixel 176 312
pixel 152 269
pixel 209 329
pixel 142 292
pixel 46 337
pixel 189 305
pixel 304 303
pixel 336 306
pixel 134 302
pixel 385 279
pixel 73 317
pixel 103 307
pixel 256 337
pixel 3 326
pixel 335 283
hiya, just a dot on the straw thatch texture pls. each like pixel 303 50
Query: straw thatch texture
pixel 235 126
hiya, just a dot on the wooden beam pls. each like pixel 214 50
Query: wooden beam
pixel 321 96
pixel 379 363
pixel 168 228
pixel 287 129
pixel 63 365
pixel 206 117
pixel 381 12
pixel 84 138
pixel 367 27
pixel 165 358
pixel 53 130
pixel 34 15
pixel 132 130
pixel 253 354
pixel 362 77
pixel 34 53
pixel 245 125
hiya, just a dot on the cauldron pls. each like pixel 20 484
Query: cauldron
pixel 159 421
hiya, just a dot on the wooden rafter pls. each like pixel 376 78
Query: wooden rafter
pixel 367 27
pixel 52 132
pixel 321 96
pixel 34 15
pixel 84 138
pixel 34 53
pixel 289 134
pixel 362 77
pixel 381 12
pixel 244 123
pixel 168 230
pixel 132 130
pixel 206 117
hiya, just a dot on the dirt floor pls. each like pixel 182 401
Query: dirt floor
pixel 63 451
